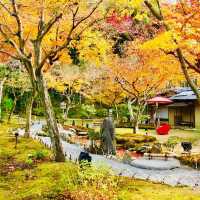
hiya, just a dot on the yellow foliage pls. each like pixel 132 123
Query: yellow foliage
pixel 93 47
pixel 164 41
pixel 127 3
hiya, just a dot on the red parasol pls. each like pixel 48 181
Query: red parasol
pixel 159 100
pixel 156 101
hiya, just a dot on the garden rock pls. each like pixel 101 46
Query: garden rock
pixel 156 148
pixel 156 164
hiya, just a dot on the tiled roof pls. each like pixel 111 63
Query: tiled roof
pixel 185 95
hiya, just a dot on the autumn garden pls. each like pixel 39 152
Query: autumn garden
pixel 99 100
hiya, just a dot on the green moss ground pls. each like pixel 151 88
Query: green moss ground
pixel 45 179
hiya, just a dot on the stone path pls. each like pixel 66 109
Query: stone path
pixel 179 176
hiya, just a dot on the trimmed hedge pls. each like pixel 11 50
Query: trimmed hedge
pixel 131 140
pixel 137 138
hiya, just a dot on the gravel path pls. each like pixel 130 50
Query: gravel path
pixel 179 176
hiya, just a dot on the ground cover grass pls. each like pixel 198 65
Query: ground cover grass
pixel 43 179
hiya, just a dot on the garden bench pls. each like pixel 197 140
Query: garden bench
pixel 184 123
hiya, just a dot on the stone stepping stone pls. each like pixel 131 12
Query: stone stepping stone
pixel 155 164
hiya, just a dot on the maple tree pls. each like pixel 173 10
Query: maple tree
pixel 13 75
pixel 40 35
pixel 67 80
pixel 132 27
pixel 19 82
pixel 170 27
pixel 180 37
pixel 100 87
pixel 141 76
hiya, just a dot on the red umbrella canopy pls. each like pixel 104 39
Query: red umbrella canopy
pixel 159 100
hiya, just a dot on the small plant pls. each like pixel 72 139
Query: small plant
pixel 99 177
pixel 40 155
pixel 126 157
pixel 93 135
pixel 37 155
pixel 29 162
pixel 172 142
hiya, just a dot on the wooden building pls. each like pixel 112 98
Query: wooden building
pixel 183 112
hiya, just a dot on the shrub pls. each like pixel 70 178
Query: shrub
pixel 129 144
pixel 38 155
pixel 29 162
pixel 82 112
pixel 101 112
pixel 191 160
pixel 99 177
pixel 38 111
pixel 128 141
pixel 172 142
pixel 134 137
pixel 93 135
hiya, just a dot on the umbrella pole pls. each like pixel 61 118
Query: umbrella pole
pixel 156 115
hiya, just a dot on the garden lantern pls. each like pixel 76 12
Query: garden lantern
pixel 16 139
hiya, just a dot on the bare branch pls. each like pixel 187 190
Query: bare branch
pixel 54 51
pixel 185 71
pixel 41 18
pixel 134 87
pixel 187 20
pixel 6 37
pixel 191 66
pixel 124 88
pixel 48 26
pixel 12 42
pixel 74 16
pixel 90 13
pixel 153 10
pixel 8 28
pixel 19 25
pixel 9 54
pixel 5 8
pixel 90 25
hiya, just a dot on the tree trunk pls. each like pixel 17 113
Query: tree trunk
pixel 12 109
pixel 136 120
pixel 50 118
pixel 68 106
pixel 130 109
pixel 67 111
pixel 1 94
pixel 29 114
pixel 184 68
pixel 117 113
pixel 135 126
pixel 132 117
